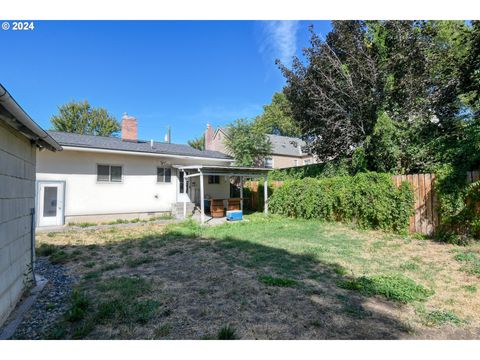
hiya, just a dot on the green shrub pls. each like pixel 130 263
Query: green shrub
pixel 393 287
pixel 341 167
pixel 370 199
pixel 458 212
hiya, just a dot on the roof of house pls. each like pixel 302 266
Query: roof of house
pixel 141 146
pixel 286 145
pixel 13 114
pixel 281 145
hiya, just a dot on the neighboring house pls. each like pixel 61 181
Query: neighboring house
pixel 19 139
pixel 99 178
pixel 286 151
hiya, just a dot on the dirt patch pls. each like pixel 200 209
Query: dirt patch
pixel 198 286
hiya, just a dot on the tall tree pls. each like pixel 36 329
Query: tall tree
pixel 197 143
pixel 81 118
pixel 277 117
pixel 334 97
pixel 423 75
pixel 247 143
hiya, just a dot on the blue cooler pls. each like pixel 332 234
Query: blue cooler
pixel 234 215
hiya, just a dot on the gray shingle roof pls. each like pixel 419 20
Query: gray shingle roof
pixel 285 145
pixel 281 145
pixel 114 143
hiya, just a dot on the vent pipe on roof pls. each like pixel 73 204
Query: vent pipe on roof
pixel 151 143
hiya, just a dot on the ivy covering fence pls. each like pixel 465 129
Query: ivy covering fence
pixel 371 200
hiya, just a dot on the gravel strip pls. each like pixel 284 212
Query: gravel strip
pixel 51 304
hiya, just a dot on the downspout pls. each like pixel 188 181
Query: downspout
pixel 32 244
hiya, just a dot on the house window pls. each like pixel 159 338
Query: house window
pixel 213 179
pixel 268 162
pixel 109 173
pixel 164 175
pixel 307 162
pixel 295 162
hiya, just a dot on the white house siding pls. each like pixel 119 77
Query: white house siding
pixel 138 193
pixel 17 191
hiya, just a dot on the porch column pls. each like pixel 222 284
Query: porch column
pixel 241 193
pixel 265 195
pixel 202 202
pixel 184 193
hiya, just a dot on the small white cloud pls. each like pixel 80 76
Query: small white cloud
pixel 279 40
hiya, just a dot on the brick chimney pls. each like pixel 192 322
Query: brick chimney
pixel 209 132
pixel 129 128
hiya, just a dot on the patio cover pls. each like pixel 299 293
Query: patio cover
pixel 230 171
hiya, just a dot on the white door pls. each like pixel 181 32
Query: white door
pixel 50 203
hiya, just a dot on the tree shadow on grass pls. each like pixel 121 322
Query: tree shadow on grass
pixel 262 291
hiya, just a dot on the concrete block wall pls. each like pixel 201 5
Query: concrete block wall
pixel 17 197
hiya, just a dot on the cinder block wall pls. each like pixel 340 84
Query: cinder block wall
pixel 17 197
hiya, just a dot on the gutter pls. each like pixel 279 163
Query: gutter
pixel 28 126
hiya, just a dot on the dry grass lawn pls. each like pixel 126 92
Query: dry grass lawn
pixel 264 278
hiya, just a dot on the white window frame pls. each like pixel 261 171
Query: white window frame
pixel 165 168
pixel 109 181
pixel 307 162
pixel 265 162
pixel 295 162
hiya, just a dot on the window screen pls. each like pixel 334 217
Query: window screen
pixel 103 173
pixel 164 175
pixel 116 173
pixel 168 175
pixel 109 173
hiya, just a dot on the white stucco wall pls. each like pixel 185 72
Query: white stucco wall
pixel 138 192
pixel 17 188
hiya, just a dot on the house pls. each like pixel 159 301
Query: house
pixel 286 151
pixel 99 178
pixel 20 136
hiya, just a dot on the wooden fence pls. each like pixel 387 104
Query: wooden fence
pixel 425 219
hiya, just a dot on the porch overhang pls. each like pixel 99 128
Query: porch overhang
pixel 243 171
pixel 230 171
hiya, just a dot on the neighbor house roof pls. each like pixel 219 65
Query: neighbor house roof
pixel 285 145
pixel 141 146
pixel 281 145
pixel 13 114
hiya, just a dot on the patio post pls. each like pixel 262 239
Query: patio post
pixel 265 195
pixel 241 193
pixel 184 192
pixel 202 202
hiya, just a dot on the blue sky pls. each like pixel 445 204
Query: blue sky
pixel 179 73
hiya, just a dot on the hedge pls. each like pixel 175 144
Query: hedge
pixel 371 200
